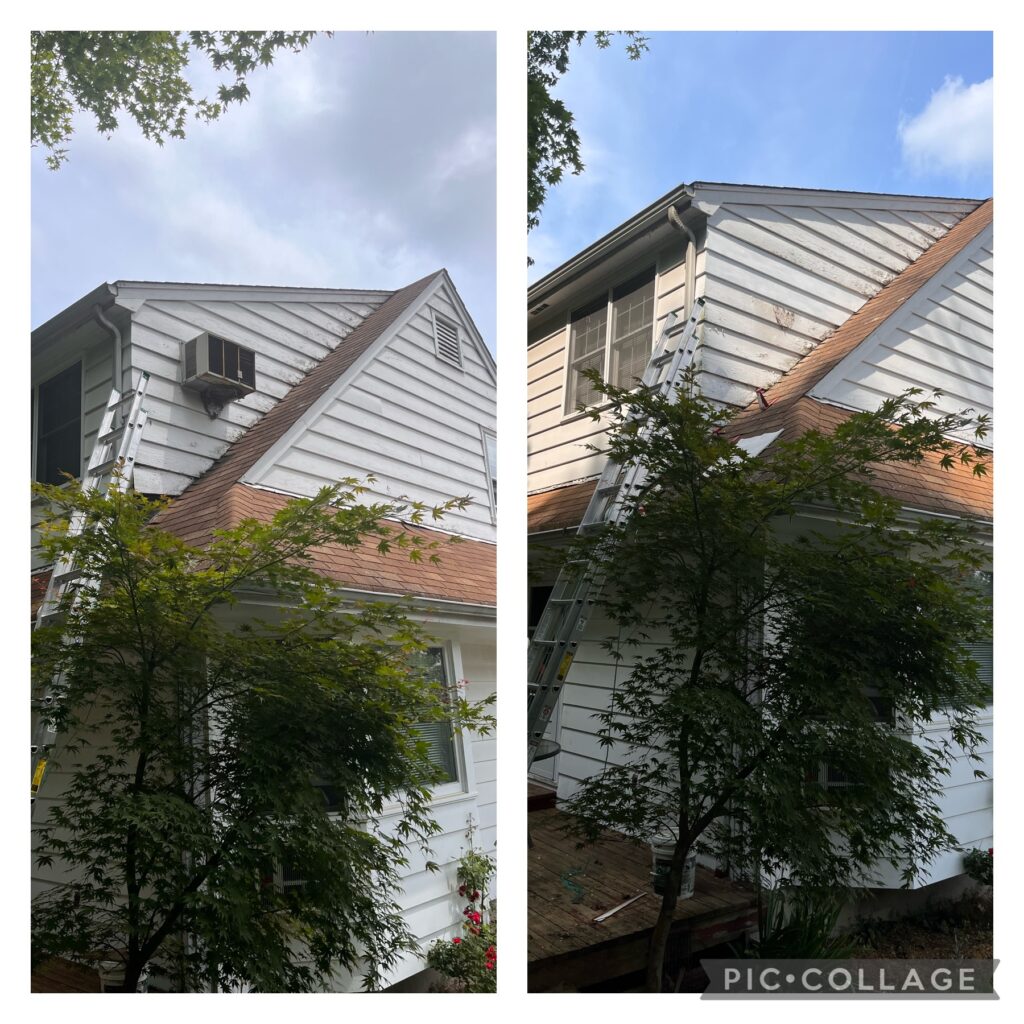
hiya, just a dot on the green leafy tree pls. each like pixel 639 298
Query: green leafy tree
pixel 189 780
pixel 769 653
pixel 553 144
pixel 140 75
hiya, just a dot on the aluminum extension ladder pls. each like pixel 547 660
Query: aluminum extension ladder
pixel 555 641
pixel 112 459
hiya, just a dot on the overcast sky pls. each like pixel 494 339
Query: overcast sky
pixel 366 161
pixel 874 112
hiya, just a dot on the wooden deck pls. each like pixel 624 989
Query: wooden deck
pixel 569 887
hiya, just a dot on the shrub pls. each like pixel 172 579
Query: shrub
pixel 978 866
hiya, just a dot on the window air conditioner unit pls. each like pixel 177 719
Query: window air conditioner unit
pixel 220 370
pixel 210 361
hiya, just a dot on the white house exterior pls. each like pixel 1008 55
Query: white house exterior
pixel 348 383
pixel 827 302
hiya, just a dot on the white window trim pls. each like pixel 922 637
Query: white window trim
pixel 574 413
pixel 464 786
pixel 434 318
pixel 490 472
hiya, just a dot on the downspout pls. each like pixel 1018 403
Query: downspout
pixel 691 253
pixel 691 274
pixel 115 331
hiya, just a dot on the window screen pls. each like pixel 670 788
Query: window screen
pixel 587 337
pixel 632 328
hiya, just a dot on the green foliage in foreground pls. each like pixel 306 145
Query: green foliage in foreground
pixel 141 75
pixel 782 628
pixel 189 748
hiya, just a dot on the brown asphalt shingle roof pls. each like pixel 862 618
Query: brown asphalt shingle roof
pixel 558 509
pixel 466 571
pixel 924 486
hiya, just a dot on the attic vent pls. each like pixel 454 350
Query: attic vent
pixel 446 340
pixel 218 369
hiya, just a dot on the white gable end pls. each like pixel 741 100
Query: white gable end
pixel 405 414
pixel 289 332
pixel 940 339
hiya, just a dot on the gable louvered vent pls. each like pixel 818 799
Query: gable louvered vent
pixel 446 340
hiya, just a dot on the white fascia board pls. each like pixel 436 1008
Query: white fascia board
pixel 870 345
pixel 474 334
pixel 713 194
pixel 290 436
pixel 450 611
pixel 140 291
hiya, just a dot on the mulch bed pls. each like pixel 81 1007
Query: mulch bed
pixel 959 929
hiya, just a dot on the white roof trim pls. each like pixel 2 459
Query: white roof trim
pixel 753 446
pixel 715 193
pixel 142 290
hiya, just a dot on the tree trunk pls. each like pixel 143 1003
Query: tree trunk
pixel 663 926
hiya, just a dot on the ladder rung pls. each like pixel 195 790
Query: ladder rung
pixel 110 435
pixel 72 572
pixel 103 467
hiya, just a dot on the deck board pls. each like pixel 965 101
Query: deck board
pixel 569 886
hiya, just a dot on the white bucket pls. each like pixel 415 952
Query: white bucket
pixel 661 851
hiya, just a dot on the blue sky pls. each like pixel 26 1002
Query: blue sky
pixel 366 161
pixel 906 112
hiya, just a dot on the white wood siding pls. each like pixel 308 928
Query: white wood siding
pixel 777 279
pixel 940 339
pixel 410 419
pixel 781 278
pixel 557 441
pixel 289 338
pixel 965 805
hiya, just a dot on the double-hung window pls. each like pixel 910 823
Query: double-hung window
pixel 59 426
pixel 613 335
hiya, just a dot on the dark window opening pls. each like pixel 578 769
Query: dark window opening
pixel 59 427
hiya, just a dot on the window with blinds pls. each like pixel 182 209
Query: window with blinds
pixel 439 736
pixel 981 650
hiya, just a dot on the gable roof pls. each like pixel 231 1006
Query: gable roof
pixel 925 486
pixel 791 410
pixel 814 366
pixel 639 232
pixel 245 452
pixel 217 499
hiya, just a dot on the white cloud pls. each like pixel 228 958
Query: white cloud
pixel 954 131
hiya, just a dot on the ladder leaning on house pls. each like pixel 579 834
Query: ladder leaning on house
pixel 556 638
pixel 113 461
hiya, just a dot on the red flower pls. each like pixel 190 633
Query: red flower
pixel 475 896
pixel 456 940
pixel 474 916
